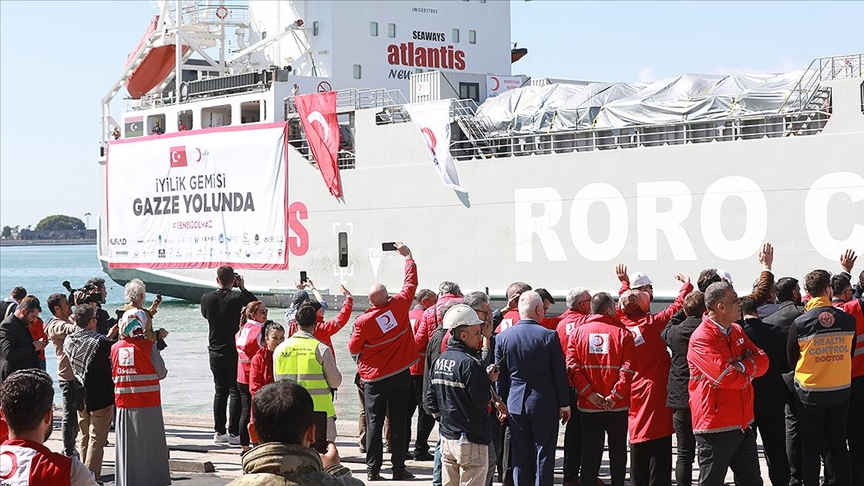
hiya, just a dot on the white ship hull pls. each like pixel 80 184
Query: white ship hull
pixel 560 220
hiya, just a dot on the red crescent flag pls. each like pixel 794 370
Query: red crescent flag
pixel 318 116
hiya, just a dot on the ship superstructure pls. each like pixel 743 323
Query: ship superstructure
pixel 564 178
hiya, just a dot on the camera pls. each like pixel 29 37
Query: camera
pixel 236 279
pixel 87 294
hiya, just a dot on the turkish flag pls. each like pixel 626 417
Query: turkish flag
pixel 318 116
pixel 178 156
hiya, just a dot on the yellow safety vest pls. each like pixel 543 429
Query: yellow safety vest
pixel 295 359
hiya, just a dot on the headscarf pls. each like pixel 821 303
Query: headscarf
pixel 132 323
pixel 80 347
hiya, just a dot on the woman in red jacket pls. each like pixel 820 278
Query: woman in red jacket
pixel 248 341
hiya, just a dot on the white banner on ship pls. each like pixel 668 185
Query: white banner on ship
pixel 199 200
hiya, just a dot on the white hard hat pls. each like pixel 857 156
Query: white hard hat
pixel 725 275
pixel 640 279
pixel 461 315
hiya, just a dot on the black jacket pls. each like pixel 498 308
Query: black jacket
pixel 98 384
pixel 460 393
pixel 433 350
pixel 677 337
pixel 104 321
pixel 785 315
pixel 16 347
pixel 770 390
pixel 222 309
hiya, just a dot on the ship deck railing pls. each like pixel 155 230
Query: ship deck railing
pixel 802 123
pixel 357 99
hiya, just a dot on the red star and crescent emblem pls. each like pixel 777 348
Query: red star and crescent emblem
pixel 826 319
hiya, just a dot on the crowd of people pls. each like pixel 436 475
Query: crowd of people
pixel 713 368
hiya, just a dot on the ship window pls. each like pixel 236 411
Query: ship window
pixel 216 116
pixel 250 112
pixel 456 36
pixel 133 127
pixel 358 71
pixel 391 30
pixel 184 120
pixel 472 36
pixel 343 249
pixel 469 91
pixel 315 28
pixel 155 124
pixel 373 29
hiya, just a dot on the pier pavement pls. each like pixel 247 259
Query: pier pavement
pixel 197 461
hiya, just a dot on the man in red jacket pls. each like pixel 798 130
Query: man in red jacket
pixel 650 419
pixel 723 363
pixel 26 399
pixel 578 308
pixel 385 349
pixel 425 299
pixel 598 367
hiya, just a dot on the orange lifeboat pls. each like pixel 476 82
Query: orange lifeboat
pixel 157 64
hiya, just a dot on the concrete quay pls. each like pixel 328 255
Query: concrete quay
pixel 197 461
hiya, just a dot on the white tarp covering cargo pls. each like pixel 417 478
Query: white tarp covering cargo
pixel 184 201
pixel 525 110
pixel 579 112
pixel 677 99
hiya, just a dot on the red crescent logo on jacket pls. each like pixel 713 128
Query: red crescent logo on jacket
pixel 8 464
pixel 826 319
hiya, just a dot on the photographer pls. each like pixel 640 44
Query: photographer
pixel 93 292
pixel 222 309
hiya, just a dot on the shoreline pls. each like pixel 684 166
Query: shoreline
pixel 46 242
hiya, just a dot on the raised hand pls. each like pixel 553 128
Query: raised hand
pixel 403 249
pixel 621 272
pixel 344 291
pixel 766 256
pixel 682 278
pixel 847 261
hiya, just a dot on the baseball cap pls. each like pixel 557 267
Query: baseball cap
pixel 461 315
pixel 725 275
pixel 640 279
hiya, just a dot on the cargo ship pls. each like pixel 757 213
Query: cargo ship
pixel 549 181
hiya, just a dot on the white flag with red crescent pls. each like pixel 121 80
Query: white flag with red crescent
pixel 432 119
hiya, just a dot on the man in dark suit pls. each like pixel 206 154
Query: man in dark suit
pixel 533 382
pixel 770 392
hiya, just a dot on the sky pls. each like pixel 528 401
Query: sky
pixel 58 59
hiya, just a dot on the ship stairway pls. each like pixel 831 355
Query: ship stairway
pixel 464 112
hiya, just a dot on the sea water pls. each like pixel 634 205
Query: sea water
pixel 188 389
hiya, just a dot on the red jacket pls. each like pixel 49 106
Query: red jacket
pixel 650 418
pixel 324 331
pixel 512 317
pixel 32 463
pixel 136 381
pixel 248 341
pixel 721 395
pixel 261 370
pixel 853 308
pixel 431 320
pixel 568 322
pixel 382 335
pixel 598 357
pixel 37 332
pixel 415 315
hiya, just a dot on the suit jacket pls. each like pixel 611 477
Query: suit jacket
pixel 785 315
pixel 533 377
